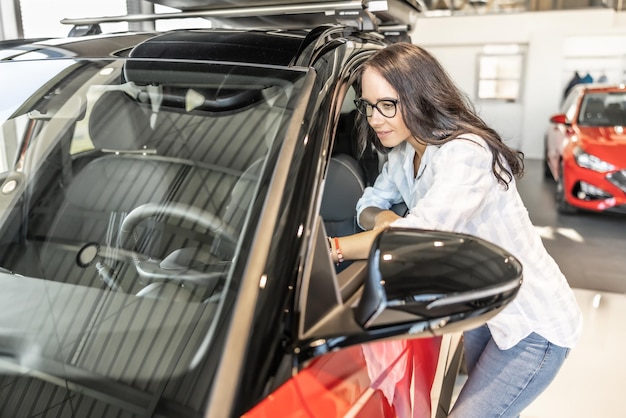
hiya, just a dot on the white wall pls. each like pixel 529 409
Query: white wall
pixel 8 26
pixel 556 43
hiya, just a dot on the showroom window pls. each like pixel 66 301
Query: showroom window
pixel 37 24
pixel 500 73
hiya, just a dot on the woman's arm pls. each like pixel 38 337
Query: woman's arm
pixel 357 246
pixel 352 247
pixel 376 218
pixel 373 206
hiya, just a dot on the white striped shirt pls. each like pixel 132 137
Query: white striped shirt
pixel 456 190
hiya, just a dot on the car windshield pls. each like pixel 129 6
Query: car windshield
pixel 603 109
pixel 127 186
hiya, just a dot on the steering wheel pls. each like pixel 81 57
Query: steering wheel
pixel 156 270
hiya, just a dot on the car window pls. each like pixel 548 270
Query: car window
pixel 128 187
pixel 603 109
pixel 569 107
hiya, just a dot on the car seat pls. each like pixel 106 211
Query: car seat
pixel 616 115
pixel 106 184
pixel 119 123
pixel 595 113
pixel 344 186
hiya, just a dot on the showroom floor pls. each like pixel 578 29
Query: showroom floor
pixel 591 251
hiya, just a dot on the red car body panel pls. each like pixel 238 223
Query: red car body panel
pixel 385 379
pixel 605 143
pixel 608 143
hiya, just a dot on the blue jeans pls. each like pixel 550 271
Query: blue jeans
pixel 502 383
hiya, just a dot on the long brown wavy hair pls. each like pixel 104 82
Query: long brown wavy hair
pixel 434 109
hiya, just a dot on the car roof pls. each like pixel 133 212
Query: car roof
pixel 267 47
pixel 388 18
pixel 243 31
pixel 284 48
pixel 96 46
pixel 601 87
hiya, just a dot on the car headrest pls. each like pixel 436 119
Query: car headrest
pixel 344 186
pixel 118 122
pixel 594 109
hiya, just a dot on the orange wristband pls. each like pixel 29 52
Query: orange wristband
pixel 339 253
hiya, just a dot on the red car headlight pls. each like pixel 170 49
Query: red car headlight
pixel 591 162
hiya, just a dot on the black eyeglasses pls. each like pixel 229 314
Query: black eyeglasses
pixel 386 107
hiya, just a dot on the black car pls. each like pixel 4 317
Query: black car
pixel 165 202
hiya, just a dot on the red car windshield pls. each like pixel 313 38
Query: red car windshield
pixel 603 109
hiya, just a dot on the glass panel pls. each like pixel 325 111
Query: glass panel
pixel 37 24
pixel 500 76
pixel 126 188
pixel 498 89
pixel 603 109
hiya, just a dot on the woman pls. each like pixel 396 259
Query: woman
pixel 455 174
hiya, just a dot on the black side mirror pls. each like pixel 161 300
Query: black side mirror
pixel 419 283
pixel 434 278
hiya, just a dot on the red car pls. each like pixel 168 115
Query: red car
pixel 585 149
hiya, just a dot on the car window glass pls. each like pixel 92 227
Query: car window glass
pixel 569 107
pixel 603 109
pixel 14 95
pixel 616 108
pixel 132 184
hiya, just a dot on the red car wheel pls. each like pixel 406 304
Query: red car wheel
pixel 561 202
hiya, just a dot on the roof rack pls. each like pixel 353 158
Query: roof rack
pixel 354 13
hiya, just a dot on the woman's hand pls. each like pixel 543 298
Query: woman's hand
pixel 383 219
